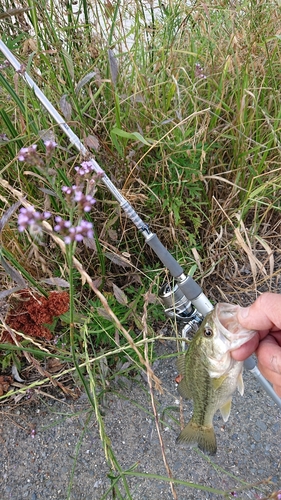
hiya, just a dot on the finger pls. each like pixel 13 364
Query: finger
pixel 263 314
pixel 246 349
pixel 272 377
pixel 269 361
pixel 269 354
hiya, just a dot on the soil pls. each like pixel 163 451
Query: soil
pixel 51 449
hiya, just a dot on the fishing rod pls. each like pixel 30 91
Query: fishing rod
pixel 185 301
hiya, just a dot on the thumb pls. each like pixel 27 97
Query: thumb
pixel 263 314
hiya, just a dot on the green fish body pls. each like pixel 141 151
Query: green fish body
pixel 210 374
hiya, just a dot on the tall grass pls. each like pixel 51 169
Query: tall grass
pixel 180 103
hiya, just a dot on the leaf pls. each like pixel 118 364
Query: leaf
pixel 65 107
pixel 54 365
pixel 103 313
pixel 130 135
pixel 113 66
pixel 92 142
pixel 113 234
pixel 84 81
pixel 6 293
pixel 104 367
pixel 6 216
pixel 118 260
pixel 12 272
pixel 47 191
pixel 57 282
pixel 151 298
pixel 16 375
pixel 47 135
pixel 90 243
pixel 120 296
pixel 97 283
pixel 68 62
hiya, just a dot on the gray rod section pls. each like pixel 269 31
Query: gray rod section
pixel 250 365
pixel 168 260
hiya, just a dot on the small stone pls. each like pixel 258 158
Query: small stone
pixel 261 425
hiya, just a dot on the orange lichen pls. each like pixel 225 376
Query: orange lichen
pixel 30 312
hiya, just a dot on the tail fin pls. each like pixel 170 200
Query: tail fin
pixel 201 435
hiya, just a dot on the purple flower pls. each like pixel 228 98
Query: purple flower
pixel 85 202
pixel 67 190
pixel 62 225
pixel 30 155
pixel 29 218
pixel 199 72
pixel 85 168
pixel 85 229
pixel 73 233
pixel 5 64
pixel 3 137
pixel 50 145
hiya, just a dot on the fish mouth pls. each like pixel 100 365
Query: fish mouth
pixel 226 321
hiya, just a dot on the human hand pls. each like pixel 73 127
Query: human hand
pixel 264 315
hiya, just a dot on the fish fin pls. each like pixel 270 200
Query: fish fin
pixel 180 363
pixel 240 384
pixel 203 436
pixel 184 390
pixel 217 382
pixel 225 410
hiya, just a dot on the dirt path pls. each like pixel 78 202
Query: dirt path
pixel 64 459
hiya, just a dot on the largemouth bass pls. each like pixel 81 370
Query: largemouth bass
pixel 210 375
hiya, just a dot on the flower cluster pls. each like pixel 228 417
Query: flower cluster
pixel 50 145
pixel 199 72
pixel 3 137
pixel 5 64
pixel 32 157
pixel 73 233
pixel 31 218
pixel 29 155
pixel 85 168
pixel 85 202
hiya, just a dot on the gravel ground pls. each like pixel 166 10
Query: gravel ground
pixel 65 459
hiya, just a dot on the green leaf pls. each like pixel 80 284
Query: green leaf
pixel 131 135
pixel 69 63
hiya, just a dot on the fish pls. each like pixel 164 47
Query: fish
pixel 209 374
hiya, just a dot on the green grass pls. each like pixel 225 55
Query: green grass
pixel 198 158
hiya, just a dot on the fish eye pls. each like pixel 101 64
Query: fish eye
pixel 208 332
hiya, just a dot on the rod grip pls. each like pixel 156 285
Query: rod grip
pixel 166 258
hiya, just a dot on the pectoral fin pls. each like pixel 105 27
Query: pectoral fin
pixel 240 384
pixel 217 382
pixel 225 410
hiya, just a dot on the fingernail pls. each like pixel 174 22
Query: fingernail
pixel 244 312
